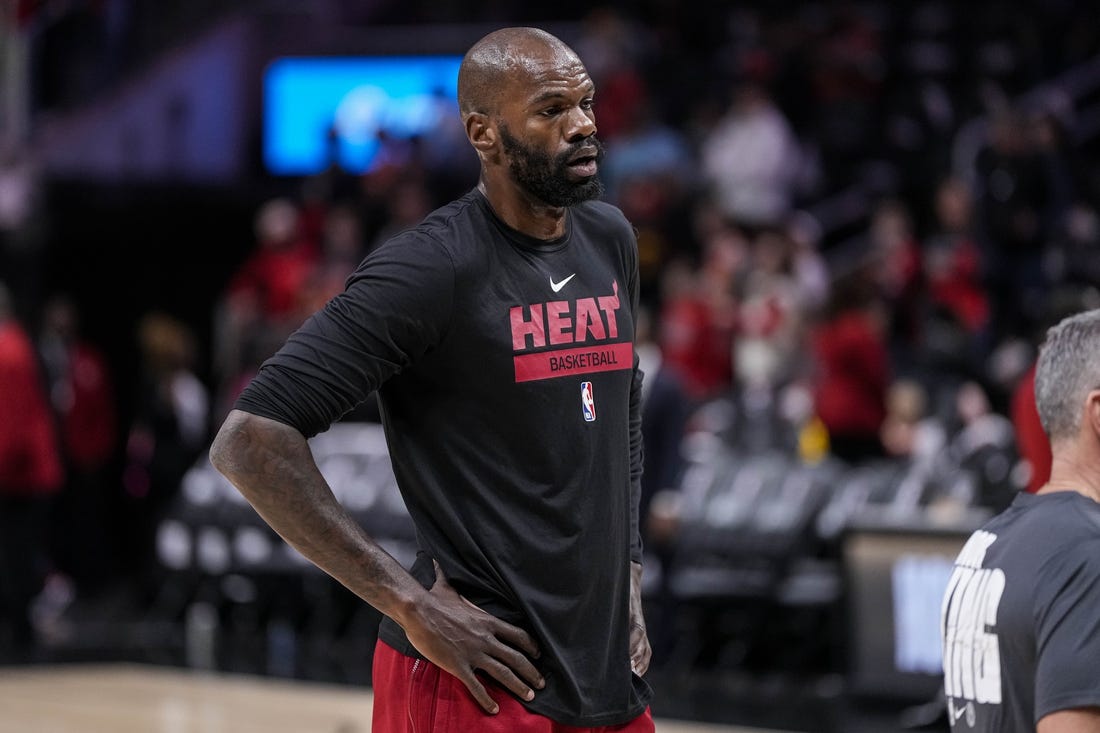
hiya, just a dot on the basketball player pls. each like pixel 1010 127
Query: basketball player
pixel 499 335
pixel 1021 615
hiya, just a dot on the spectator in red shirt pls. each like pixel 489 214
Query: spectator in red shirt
pixel 953 264
pixel 82 393
pixel 699 317
pixel 31 474
pixel 852 369
pixel 261 304
pixel 898 271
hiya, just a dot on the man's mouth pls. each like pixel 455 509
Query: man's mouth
pixel 584 162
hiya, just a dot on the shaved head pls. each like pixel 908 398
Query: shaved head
pixel 491 64
pixel 527 106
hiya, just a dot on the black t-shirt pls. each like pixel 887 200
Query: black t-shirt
pixel 509 392
pixel 1021 616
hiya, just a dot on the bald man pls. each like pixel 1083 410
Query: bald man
pixel 1021 613
pixel 499 336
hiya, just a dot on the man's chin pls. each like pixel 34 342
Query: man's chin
pixel 591 189
pixel 568 193
pixel 588 190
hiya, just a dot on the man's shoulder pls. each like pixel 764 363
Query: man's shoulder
pixel 600 209
pixel 445 222
pixel 597 214
pixel 1048 531
pixel 441 231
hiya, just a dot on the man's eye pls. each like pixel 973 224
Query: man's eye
pixel 551 111
pixel 588 104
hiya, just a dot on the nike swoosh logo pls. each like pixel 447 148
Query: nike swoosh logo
pixel 556 286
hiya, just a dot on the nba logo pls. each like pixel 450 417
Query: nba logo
pixel 588 405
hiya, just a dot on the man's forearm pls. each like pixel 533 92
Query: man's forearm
pixel 273 468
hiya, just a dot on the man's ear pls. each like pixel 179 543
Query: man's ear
pixel 1092 411
pixel 481 133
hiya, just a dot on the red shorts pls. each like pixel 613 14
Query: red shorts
pixel 434 700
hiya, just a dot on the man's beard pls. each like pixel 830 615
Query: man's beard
pixel 547 177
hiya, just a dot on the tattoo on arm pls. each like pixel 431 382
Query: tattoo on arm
pixel 272 466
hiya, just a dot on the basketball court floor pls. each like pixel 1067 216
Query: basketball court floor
pixel 133 698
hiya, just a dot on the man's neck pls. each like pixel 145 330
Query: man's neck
pixel 523 212
pixel 1071 471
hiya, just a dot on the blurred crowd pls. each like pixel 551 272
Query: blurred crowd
pixel 881 331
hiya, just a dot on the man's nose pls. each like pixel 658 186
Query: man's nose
pixel 581 124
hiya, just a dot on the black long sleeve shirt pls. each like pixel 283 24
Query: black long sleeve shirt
pixel 509 392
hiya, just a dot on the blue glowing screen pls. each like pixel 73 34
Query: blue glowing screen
pixel 318 110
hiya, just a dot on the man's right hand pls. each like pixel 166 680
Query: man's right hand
pixel 461 639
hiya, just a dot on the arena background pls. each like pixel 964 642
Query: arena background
pixel 789 586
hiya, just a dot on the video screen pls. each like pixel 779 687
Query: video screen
pixel 895 581
pixel 319 111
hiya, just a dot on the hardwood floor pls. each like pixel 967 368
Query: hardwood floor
pixel 131 698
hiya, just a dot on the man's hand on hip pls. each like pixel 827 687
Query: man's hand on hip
pixel 461 639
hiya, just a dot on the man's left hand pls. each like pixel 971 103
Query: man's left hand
pixel 639 639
